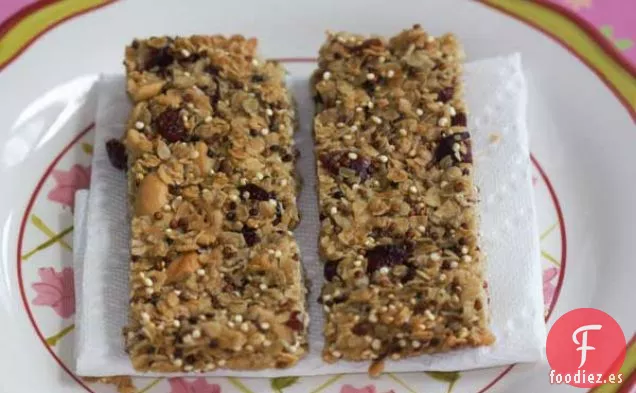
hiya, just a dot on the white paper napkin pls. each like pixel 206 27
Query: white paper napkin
pixel 496 96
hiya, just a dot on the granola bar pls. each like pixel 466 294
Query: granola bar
pixel 215 276
pixel 403 269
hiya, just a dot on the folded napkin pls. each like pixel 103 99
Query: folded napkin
pixel 496 97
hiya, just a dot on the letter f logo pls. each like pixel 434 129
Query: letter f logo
pixel 583 344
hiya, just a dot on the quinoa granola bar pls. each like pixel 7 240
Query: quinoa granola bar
pixel 215 274
pixel 403 269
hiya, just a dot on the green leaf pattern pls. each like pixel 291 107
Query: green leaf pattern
pixel 622 44
pixel 280 383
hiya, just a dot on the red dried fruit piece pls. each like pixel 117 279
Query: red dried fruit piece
pixel 446 94
pixel 336 160
pixel 293 322
pixel 169 125
pixel 445 147
pixel 250 236
pixel 386 256
pixel 256 192
pixel 117 154
pixel 160 58
pixel 331 270
pixel 459 120
pixel 362 328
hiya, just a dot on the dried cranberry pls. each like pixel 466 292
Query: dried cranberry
pixel 336 160
pixel 293 323
pixel 331 270
pixel 446 94
pixel 116 154
pixel 169 124
pixel 331 162
pixel 212 70
pixel 386 256
pixel 420 308
pixel 362 328
pixel 250 236
pixel 369 87
pixel 160 57
pixel 459 119
pixel 445 147
pixel 256 192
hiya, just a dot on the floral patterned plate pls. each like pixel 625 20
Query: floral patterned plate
pixel 582 140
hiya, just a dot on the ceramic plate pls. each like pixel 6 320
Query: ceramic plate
pixel 581 139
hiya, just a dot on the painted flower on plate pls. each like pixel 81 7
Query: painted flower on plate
pixel 56 290
pixel 351 389
pixel 199 385
pixel 67 182
pixel 548 286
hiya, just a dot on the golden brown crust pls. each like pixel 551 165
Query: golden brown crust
pixel 215 273
pixel 404 272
